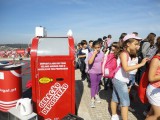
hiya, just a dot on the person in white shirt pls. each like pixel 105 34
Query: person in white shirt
pixel 121 78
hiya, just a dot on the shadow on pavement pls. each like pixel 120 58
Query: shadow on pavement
pixel 106 95
pixel 135 104
pixel 79 93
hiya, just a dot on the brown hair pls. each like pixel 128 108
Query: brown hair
pixel 158 44
pixel 121 39
pixel 150 38
pixel 117 47
pixel 83 42
pixel 124 46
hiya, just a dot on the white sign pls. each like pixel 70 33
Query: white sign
pixel 1 76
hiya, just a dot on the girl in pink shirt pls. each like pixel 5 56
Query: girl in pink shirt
pixel 95 59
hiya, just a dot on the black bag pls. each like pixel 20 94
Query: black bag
pixel 72 117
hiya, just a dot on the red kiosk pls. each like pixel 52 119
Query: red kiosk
pixel 53 76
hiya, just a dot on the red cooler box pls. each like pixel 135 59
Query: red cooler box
pixel 53 77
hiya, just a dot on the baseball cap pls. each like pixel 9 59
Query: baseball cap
pixel 129 36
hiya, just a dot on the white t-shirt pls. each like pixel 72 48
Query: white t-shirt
pixel 121 75
pixel 134 61
pixel 86 60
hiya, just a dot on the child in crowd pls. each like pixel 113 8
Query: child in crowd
pixel 134 61
pixel 90 45
pixel 121 39
pixel 132 74
pixel 82 56
pixel 147 49
pixel 114 49
pixel 153 89
pixel 95 59
pixel 132 77
pixel 79 47
pixel 109 40
pixel 121 78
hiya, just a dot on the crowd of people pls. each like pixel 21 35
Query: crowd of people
pixel 130 57
pixel 9 52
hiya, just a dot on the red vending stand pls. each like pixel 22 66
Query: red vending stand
pixel 53 77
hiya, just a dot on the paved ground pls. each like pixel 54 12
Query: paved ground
pixel 102 110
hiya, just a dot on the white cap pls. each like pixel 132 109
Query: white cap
pixel 129 36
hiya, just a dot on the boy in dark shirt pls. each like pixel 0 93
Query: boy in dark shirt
pixel 82 57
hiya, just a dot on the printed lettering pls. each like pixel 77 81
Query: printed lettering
pixel 52 97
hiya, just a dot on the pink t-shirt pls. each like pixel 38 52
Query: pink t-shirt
pixel 96 66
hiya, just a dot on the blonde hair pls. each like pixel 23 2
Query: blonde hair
pixel 124 46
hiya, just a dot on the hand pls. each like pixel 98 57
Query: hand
pixel 95 52
pixel 144 61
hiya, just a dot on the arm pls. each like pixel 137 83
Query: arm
pixel 152 70
pixel 81 56
pixel 91 59
pixel 124 62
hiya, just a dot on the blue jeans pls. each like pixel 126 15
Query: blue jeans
pixel 120 93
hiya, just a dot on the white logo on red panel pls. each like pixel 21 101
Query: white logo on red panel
pixel 55 92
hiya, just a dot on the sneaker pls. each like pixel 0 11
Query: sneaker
pixel 97 98
pixel 115 117
pixel 131 109
pixel 92 104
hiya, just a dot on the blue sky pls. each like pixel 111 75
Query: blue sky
pixel 88 19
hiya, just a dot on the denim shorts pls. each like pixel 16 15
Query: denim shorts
pixel 120 93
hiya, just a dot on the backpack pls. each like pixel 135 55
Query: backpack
pixel 110 66
pixel 143 84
